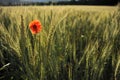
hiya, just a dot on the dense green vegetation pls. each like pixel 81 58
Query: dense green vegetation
pixel 76 43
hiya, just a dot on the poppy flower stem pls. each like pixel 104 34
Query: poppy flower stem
pixel 34 46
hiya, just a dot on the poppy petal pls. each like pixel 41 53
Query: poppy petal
pixel 35 26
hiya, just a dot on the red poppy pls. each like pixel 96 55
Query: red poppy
pixel 35 26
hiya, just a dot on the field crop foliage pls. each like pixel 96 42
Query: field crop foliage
pixel 75 43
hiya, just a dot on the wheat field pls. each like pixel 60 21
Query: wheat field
pixel 76 43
